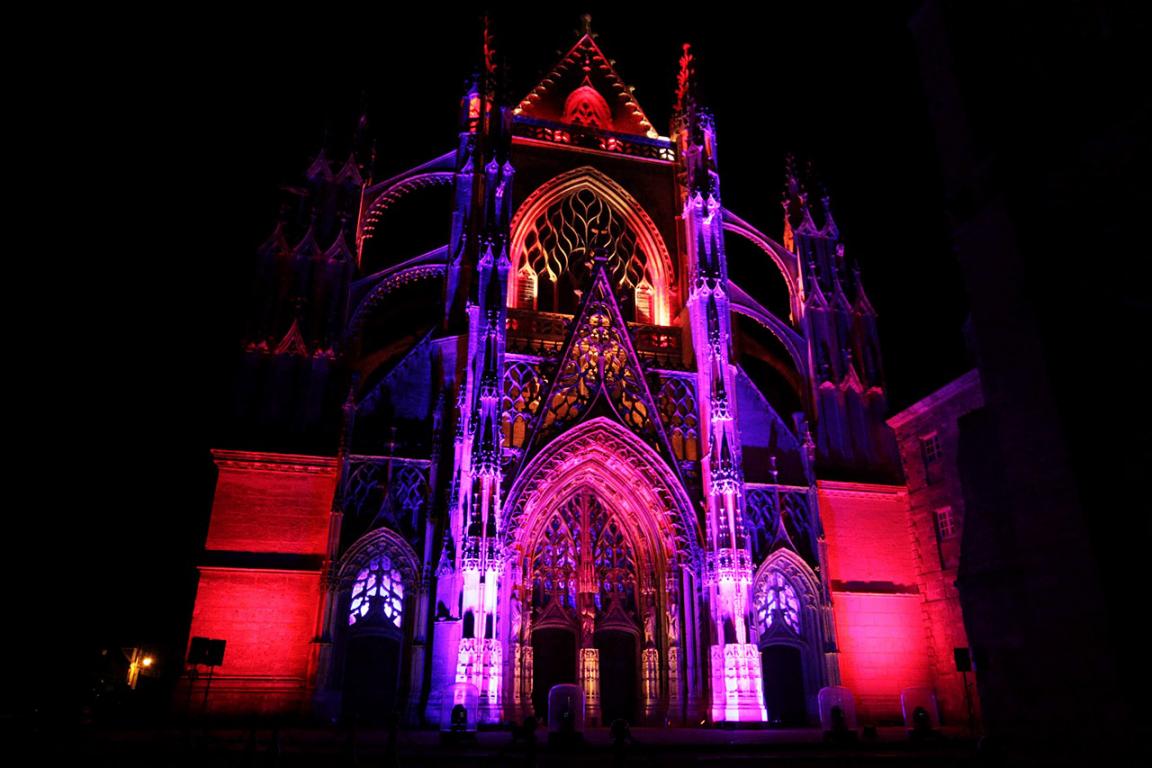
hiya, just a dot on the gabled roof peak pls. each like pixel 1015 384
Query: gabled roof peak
pixel 339 250
pixel 585 66
pixel 350 172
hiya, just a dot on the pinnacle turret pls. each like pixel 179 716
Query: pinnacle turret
pixel 320 170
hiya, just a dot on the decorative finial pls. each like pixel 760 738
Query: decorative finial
pixel 586 21
pixel 684 78
pixel 789 236
pixel 489 48
pixel 792 186
pixel 830 229
pixel 361 131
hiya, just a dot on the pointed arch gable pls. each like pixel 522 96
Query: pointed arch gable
pixel 659 262
pixel 368 546
pixel 800 576
pixel 604 455
pixel 794 569
pixel 599 364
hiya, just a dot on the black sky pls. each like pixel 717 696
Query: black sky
pixel 193 139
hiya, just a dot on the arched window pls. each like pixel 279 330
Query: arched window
pixel 560 243
pixel 377 593
pixel 565 223
pixel 776 603
pixel 677 404
pixel 554 565
pixel 560 555
pixel 615 564
pixel 522 396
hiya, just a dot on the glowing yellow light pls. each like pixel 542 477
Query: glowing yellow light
pixel 147 661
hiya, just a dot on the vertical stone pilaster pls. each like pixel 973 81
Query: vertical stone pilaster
pixel 590 681
pixel 651 661
pixel 674 701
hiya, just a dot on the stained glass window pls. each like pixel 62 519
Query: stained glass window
pixel 378 592
pixel 554 565
pixel 560 551
pixel 776 602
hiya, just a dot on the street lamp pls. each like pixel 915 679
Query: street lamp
pixel 137 660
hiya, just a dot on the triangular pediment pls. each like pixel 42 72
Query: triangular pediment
pixel 599 374
pixel 574 88
pixel 554 616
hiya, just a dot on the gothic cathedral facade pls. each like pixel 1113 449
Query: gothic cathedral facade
pixel 564 446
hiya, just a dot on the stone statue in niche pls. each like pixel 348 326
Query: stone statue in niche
pixel 587 623
pixel 650 627
pixel 515 612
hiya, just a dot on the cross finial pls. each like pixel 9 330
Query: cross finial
pixel 489 48
pixel 684 78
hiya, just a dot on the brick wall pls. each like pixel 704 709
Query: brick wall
pixel 267 507
pixel 259 587
pixel 877 602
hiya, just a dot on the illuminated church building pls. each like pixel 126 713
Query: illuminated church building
pixel 572 444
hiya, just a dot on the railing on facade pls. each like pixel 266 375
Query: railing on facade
pixel 588 138
pixel 543 334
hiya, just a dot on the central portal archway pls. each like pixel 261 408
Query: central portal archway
pixel 597 527
pixel 580 570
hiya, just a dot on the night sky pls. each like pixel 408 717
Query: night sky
pixel 190 170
